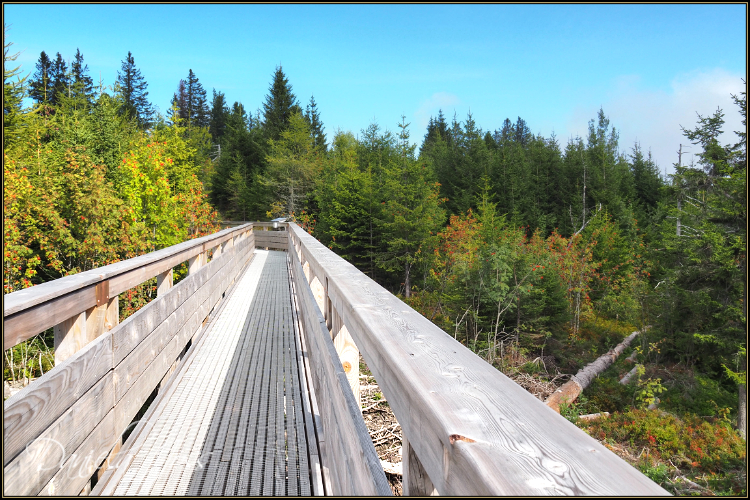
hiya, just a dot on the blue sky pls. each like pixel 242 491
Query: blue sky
pixel 650 67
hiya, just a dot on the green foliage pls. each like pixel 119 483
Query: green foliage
pixel 279 107
pixel 131 85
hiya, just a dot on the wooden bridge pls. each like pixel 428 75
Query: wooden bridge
pixel 242 379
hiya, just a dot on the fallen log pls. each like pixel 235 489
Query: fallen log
pixel 624 380
pixel 569 391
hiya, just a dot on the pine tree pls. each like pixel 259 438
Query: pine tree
pixel 13 94
pixel 312 117
pixel 197 113
pixel 219 112
pixel 280 105
pixel 59 79
pixel 179 104
pixel 40 86
pixel 133 87
pixel 82 86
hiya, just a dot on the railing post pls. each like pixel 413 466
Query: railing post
pixel 70 337
pixel 415 481
pixel 196 262
pixel 347 351
pixel 164 282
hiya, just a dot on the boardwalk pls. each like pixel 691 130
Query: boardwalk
pixel 232 421
pixel 243 379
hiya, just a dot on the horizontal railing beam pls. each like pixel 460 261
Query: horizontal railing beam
pixel 474 431
pixel 32 310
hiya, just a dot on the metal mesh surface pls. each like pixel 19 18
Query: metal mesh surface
pixel 235 423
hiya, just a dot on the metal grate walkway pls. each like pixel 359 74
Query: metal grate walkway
pixel 234 423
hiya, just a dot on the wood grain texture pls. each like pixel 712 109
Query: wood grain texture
pixel 77 470
pixel 352 462
pixel 347 351
pixel 29 322
pixel 29 297
pixel 32 469
pixel 70 337
pixel 415 480
pixel 32 310
pixel 474 430
pixel 30 411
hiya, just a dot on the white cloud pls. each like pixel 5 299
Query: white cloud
pixel 653 117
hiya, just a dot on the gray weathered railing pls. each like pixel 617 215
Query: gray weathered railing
pixel 468 429
pixel 59 429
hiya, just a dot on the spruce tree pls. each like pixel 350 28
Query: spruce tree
pixel 133 90
pixel 13 94
pixel 312 117
pixel 197 113
pixel 219 112
pixel 179 103
pixel 280 105
pixel 40 86
pixel 82 86
pixel 59 79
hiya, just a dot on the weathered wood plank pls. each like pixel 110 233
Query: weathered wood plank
pixel 30 411
pixel 475 431
pixel 32 469
pixel 70 337
pixel 350 455
pixel 29 297
pixel 415 480
pixel 30 311
pixel 81 465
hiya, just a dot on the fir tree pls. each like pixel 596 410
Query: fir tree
pixel 59 79
pixel 82 86
pixel 219 111
pixel 312 117
pixel 280 105
pixel 133 90
pixel 13 94
pixel 40 86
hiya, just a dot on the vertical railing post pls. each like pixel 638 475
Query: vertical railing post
pixel 347 351
pixel 415 481
pixel 164 282
pixel 196 262
pixel 70 337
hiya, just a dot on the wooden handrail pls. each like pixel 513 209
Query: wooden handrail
pixel 63 425
pixel 469 429
pixel 32 310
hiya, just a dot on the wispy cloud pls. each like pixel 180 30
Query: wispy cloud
pixel 653 117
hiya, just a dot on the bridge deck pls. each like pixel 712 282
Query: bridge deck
pixel 233 420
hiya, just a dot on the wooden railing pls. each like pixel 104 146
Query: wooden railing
pixel 468 429
pixel 60 428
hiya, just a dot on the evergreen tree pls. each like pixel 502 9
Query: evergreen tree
pixel 280 105
pixel 179 104
pixel 13 94
pixel 82 86
pixel 132 87
pixel 219 113
pixel 40 86
pixel 59 80
pixel 312 117
pixel 197 113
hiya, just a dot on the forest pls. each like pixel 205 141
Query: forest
pixel 537 255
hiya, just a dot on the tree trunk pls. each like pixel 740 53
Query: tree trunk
pixel 570 390
pixel 742 410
